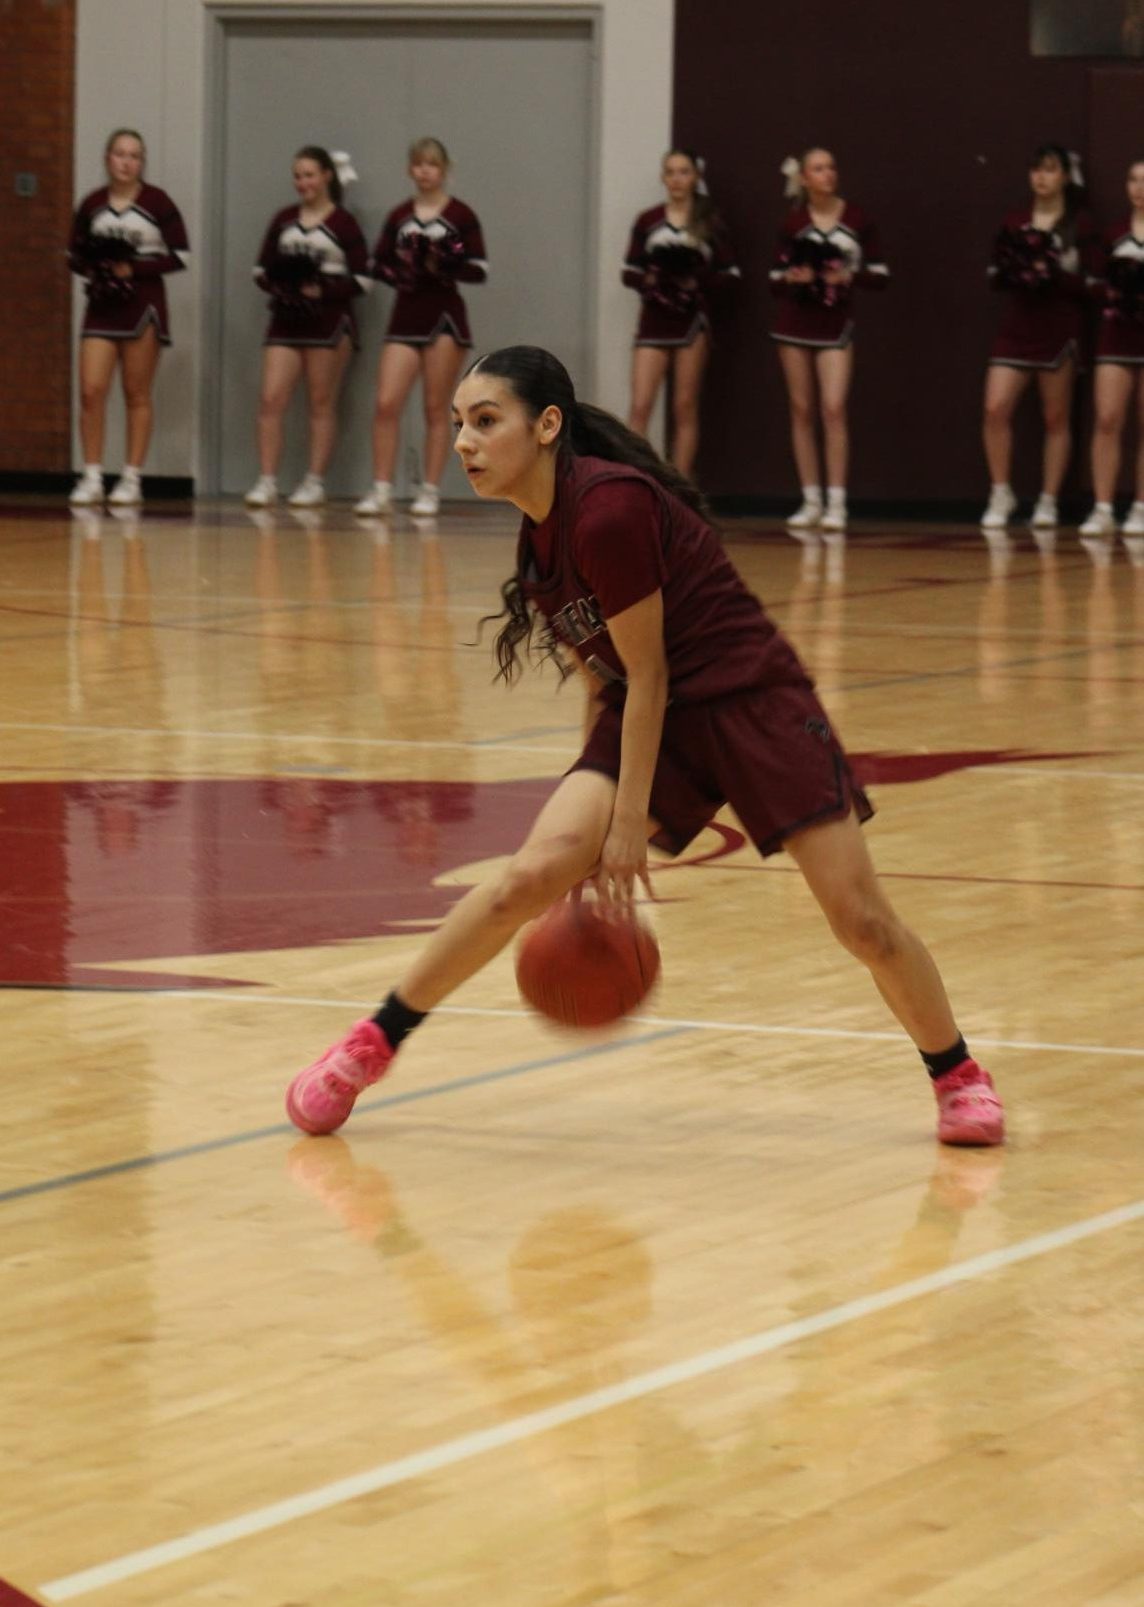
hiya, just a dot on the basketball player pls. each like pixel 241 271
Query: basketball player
pixel 694 699
pixel 312 265
pixel 679 254
pixel 125 238
pixel 827 249
pixel 427 246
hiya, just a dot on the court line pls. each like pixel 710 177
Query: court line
pixel 533 1424
pixel 138 1163
pixel 675 1023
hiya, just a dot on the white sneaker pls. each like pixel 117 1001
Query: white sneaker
pixel 311 493
pixel 834 519
pixel 1000 509
pixel 1099 523
pixel 808 517
pixel 378 499
pixel 126 493
pixel 263 493
pixel 1045 513
pixel 1134 524
pixel 87 492
pixel 427 503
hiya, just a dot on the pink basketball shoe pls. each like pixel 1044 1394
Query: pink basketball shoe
pixel 321 1097
pixel 969 1111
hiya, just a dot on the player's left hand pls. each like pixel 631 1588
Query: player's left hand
pixel 623 864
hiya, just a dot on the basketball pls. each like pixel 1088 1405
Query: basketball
pixel 582 967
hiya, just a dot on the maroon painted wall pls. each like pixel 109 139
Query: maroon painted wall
pixel 932 111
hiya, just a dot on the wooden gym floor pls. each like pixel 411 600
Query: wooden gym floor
pixel 697 1315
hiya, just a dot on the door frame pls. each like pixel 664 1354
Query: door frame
pixel 221 16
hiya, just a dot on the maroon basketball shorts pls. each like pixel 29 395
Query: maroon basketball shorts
pixel 770 753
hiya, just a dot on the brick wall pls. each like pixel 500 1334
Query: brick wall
pixel 37 82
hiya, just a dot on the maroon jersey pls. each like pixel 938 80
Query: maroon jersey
pixel 1121 293
pixel 819 314
pixel 149 234
pixel 331 254
pixel 613 537
pixel 425 261
pixel 676 273
pixel 1043 327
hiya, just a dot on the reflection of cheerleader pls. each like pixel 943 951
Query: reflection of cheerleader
pixel 678 254
pixel 312 265
pixel 827 247
pixel 1040 261
pixel 124 239
pixel 1120 365
pixel 427 246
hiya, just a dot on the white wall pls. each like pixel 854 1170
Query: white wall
pixel 141 63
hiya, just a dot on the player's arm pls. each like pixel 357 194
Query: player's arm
pixel 637 635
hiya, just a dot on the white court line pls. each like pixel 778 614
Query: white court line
pixel 528 1427
pixel 232 996
pixel 476 746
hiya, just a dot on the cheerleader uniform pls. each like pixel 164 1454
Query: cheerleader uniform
pixel 675 273
pixel 1042 329
pixel 152 231
pixel 425 261
pixel 1121 339
pixel 338 249
pixel 801 320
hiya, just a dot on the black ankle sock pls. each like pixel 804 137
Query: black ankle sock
pixel 397 1020
pixel 938 1065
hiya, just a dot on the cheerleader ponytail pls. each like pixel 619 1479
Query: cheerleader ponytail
pixel 793 188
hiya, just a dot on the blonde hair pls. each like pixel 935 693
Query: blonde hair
pixel 432 148
pixel 794 188
pixel 124 133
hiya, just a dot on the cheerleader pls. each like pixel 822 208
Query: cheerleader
pixel 1041 262
pixel 1120 364
pixel 125 237
pixel 427 246
pixel 312 265
pixel 827 248
pixel 678 254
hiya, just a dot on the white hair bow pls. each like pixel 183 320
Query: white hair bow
pixel 343 167
pixel 791 171
pixel 701 182
pixel 1076 171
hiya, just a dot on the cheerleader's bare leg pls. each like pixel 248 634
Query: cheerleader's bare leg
pixel 139 360
pixel 440 364
pixel 323 367
pixel 834 372
pixel 649 370
pixel 97 363
pixel 396 376
pixel 1004 388
pixel 1056 408
pixel 1140 439
pixel 687 382
pixel 1112 392
pixel 798 372
pixel 281 371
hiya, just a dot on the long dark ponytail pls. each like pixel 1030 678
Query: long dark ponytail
pixel 1073 195
pixel 540 380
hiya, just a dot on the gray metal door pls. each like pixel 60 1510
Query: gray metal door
pixel 514 103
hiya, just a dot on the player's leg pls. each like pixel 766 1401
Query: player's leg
pixel 560 850
pixel 687 382
pixel 649 370
pixel 837 867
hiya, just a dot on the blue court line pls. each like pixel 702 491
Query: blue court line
pixel 208 1146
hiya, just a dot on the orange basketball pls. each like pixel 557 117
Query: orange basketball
pixel 584 968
